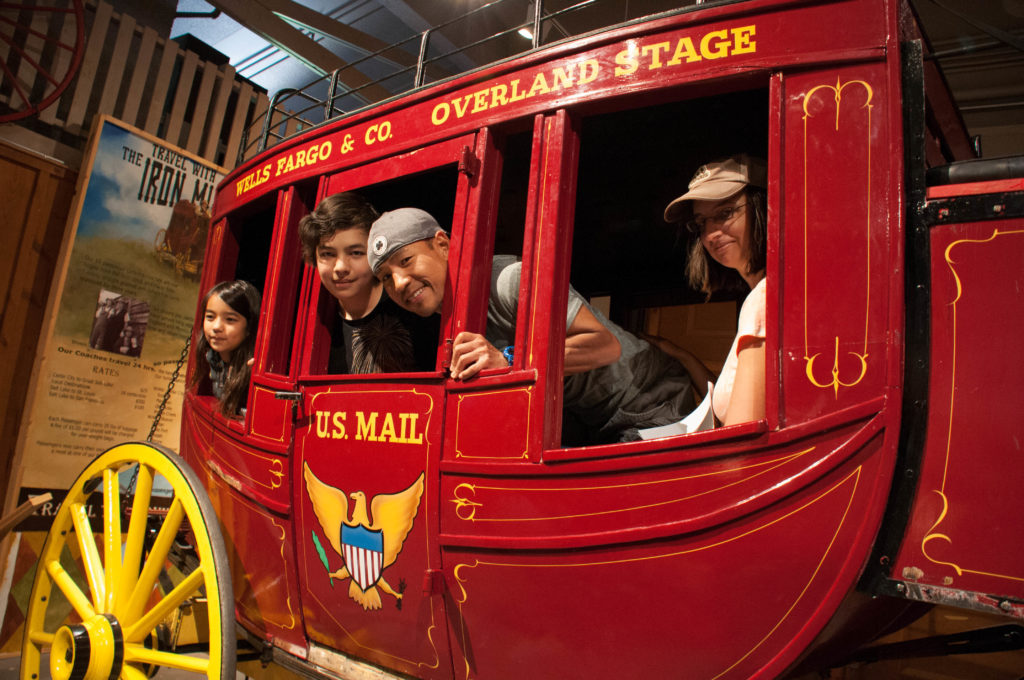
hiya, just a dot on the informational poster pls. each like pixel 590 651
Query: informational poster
pixel 122 306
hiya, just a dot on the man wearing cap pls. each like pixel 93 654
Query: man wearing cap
pixel 614 381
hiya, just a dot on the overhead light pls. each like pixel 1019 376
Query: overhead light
pixel 527 30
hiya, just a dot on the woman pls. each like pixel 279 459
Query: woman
pixel 225 349
pixel 725 209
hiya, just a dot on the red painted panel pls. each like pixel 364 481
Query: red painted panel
pixel 264 579
pixel 367 460
pixel 554 510
pixel 263 572
pixel 768 582
pixel 835 231
pixel 965 527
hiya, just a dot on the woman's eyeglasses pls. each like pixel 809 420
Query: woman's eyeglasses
pixel 723 216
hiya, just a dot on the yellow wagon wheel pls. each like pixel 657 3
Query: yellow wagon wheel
pixel 121 587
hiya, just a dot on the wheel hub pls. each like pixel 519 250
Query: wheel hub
pixel 91 650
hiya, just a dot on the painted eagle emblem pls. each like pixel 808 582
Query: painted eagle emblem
pixel 370 541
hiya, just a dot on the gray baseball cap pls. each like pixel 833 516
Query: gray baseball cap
pixel 396 229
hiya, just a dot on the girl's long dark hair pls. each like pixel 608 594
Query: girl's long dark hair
pixel 708 276
pixel 242 297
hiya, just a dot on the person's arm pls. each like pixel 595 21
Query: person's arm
pixel 588 344
pixel 700 374
pixel 747 401
pixel 471 353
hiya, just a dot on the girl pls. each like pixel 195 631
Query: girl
pixel 225 349
pixel 726 203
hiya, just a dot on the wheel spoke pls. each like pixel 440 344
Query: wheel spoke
pixel 154 562
pixel 138 630
pixel 142 655
pixel 41 638
pixel 76 597
pixel 125 570
pixel 13 80
pixel 90 553
pixel 132 673
pixel 111 535
pixel 136 537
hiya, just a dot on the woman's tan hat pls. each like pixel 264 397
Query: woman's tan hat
pixel 717 180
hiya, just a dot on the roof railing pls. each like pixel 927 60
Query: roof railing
pixel 293 110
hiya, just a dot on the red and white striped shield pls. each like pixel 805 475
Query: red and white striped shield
pixel 363 550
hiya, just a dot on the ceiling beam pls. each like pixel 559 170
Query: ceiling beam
pixel 322 24
pixel 262 21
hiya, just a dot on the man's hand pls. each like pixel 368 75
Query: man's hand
pixel 471 353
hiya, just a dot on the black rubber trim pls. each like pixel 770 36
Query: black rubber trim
pixel 917 330
pixel 118 662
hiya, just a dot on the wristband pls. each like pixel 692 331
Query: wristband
pixel 508 353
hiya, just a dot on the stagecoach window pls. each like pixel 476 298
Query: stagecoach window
pixel 395 341
pixel 625 257
pixel 244 253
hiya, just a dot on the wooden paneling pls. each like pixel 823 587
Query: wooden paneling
pixel 131 73
pixel 36 194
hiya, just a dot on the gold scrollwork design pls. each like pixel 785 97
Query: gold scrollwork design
pixel 836 382
pixel 465 508
pixel 276 473
pixel 932 535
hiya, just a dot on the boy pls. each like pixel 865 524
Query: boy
pixel 371 334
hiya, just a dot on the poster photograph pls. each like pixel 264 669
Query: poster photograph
pixel 122 305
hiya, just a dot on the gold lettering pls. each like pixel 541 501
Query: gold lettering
pixel 440 113
pixel 743 40
pixel 321 423
pixel 413 437
pixel 339 425
pixel 654 51
pixel 540 86
pixel 387 430
pixel 460 111
pixel 499 95
pixel 563 81
pixel 684 48
pixel 627 62
pixel 516 94
pixel 721 48
pixel 479 101
pixel 366 428
pixel 588 71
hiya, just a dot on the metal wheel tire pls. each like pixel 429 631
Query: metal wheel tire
pixel 130 587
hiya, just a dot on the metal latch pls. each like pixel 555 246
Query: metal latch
pixel 295 398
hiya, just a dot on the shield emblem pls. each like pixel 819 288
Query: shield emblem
pixel 363 550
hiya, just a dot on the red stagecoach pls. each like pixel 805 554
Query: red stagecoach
pixel 409 524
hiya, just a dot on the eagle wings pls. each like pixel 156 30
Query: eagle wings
pixel 391 514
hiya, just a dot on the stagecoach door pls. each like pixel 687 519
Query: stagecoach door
pixel 367 452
